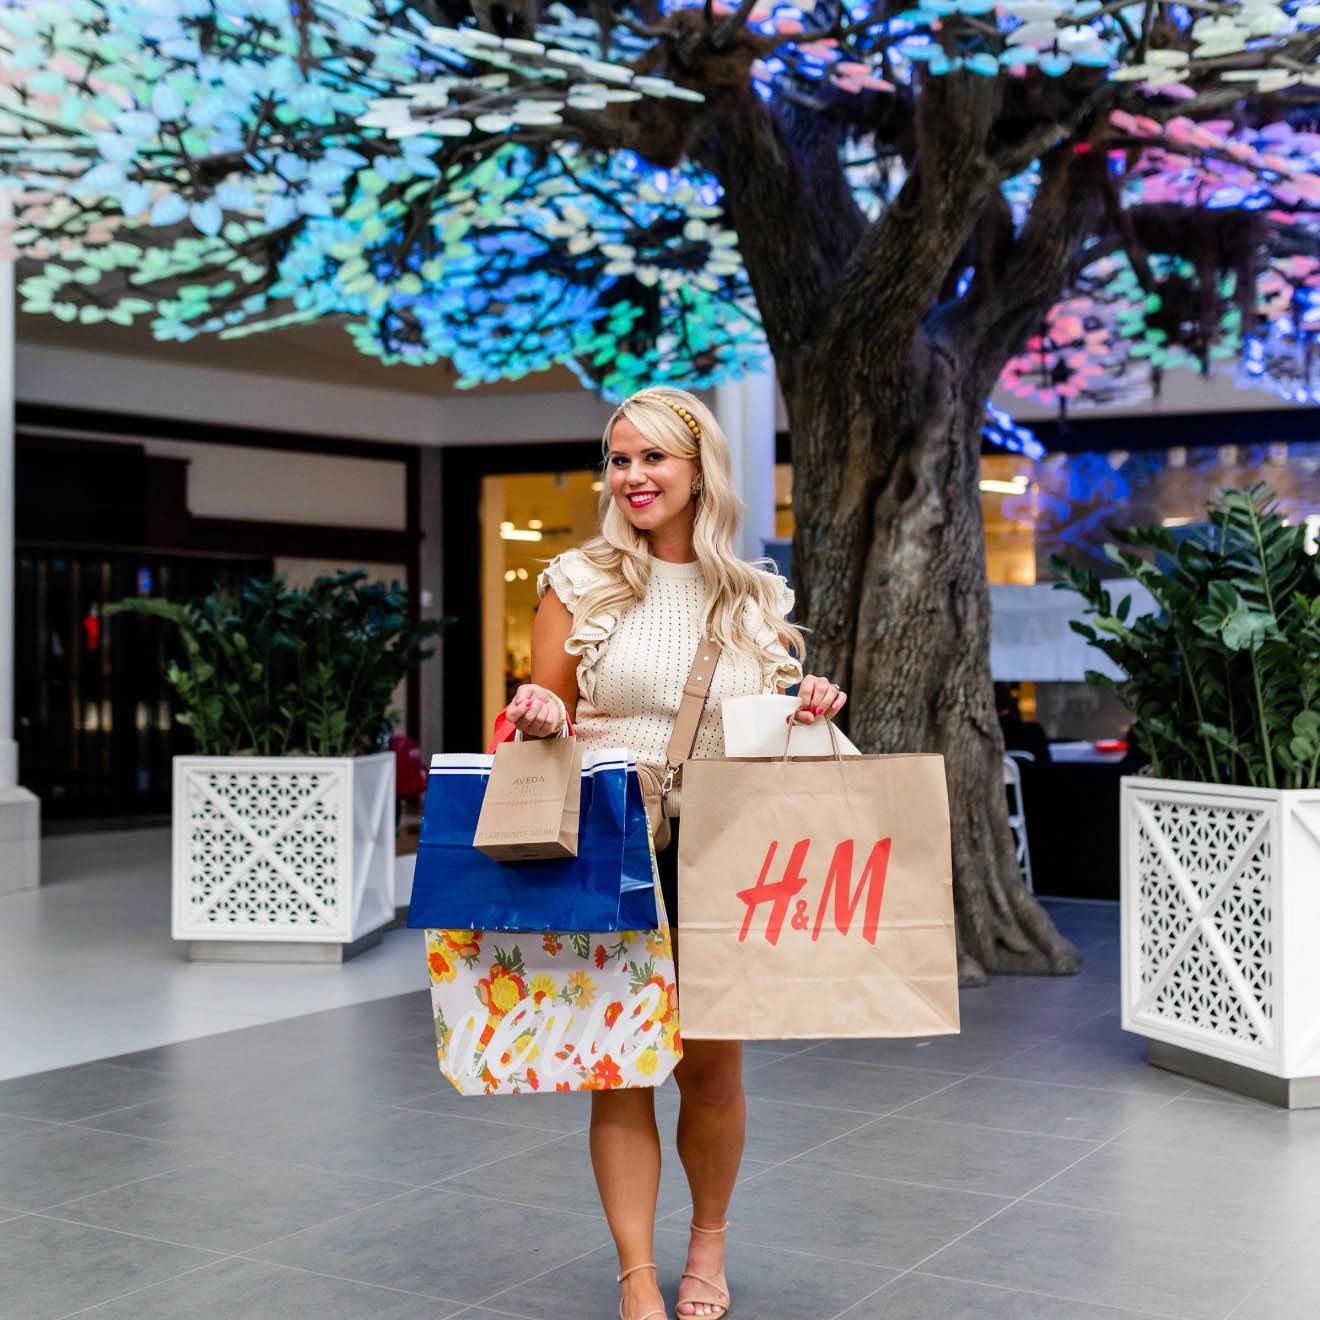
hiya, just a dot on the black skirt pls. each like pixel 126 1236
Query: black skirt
pixel 667 865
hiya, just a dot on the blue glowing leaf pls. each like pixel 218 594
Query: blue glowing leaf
pixel 166 102
pixel 169 210
pixel 106 177
pixel 206 216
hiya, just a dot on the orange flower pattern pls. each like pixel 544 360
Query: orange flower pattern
pixel 607 1074
pixel 580 978
pixel 439 958
pixel 501 990
pixel 668 1004
pixel 465 945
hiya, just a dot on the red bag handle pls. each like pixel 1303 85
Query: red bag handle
pixel 505 732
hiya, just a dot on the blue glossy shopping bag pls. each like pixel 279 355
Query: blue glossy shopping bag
pixel 608 886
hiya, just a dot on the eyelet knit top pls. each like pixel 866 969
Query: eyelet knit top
pixel 632 666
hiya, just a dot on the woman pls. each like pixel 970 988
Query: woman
pixel 614 639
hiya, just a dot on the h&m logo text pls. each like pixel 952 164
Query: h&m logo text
pixel 783 893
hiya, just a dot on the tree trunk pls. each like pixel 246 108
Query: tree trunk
pixel 886 380
pixel 889 555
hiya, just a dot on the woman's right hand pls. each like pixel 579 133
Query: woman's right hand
pixel 535 712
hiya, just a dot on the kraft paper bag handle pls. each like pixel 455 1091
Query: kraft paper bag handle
pixel 564 732
pixel 836 754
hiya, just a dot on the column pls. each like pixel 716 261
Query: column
pixel 492 601
pixel 432 723
pixel 20 812
pixel 746 411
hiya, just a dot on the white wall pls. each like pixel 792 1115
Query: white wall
pixel 116 383
pixel 72 378
pixel 1182 391
pixel 281 485
pixel 75 379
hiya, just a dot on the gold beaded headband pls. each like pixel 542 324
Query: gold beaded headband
pixel 677 409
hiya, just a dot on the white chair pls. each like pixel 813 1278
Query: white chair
pixel 1017 814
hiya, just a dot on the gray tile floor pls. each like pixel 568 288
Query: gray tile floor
pixel 104 908
pixel 1033 1168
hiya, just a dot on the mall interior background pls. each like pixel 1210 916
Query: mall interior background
pixel 154 475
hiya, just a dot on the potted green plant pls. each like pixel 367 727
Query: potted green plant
pixel 283 831
pixel 1221 840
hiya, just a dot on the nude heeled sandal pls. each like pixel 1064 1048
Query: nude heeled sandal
pixel 650 1265
pixel 726 1304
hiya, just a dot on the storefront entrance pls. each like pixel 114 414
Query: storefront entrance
pixel 508 509
pixel 517 507
pixel 527 518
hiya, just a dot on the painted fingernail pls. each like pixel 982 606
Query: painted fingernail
pixel 820 710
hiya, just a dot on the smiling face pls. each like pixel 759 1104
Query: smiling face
pixel 653 488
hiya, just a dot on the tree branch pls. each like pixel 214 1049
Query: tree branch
pixel 1120 220
pixel 1212 102
pixel 903 260
pixel 1014 158
pixel 787 195
pixel 990 324
pixel 721 36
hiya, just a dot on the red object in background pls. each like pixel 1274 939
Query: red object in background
pixel 92 628
pixel 409 772
pixel 1110 745
pixel 504 732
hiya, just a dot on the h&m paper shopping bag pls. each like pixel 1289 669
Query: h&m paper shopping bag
pixel 530 810
pixel 606 887
pixel 570 1011
pixel 816 899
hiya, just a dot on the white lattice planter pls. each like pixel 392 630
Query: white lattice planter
pixel 1221 932
pixel 282 858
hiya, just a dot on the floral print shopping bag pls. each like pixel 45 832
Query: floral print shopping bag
pixel 573 1011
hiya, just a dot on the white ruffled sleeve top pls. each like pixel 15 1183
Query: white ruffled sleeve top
pixel 632 666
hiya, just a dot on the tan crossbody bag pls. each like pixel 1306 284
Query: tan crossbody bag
pixel 658 782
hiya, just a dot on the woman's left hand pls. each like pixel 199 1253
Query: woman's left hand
pixel 818 697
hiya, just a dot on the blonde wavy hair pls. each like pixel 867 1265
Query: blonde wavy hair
pixel 622 552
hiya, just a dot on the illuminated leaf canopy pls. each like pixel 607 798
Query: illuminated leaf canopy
pixel 510 191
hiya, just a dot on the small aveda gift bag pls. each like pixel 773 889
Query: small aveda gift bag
pixel 530 810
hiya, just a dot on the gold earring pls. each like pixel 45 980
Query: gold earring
pixel 696 488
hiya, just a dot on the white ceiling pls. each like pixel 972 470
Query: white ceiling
pixel 320 351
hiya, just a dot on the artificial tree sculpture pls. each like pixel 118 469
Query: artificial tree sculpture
pixel 906 205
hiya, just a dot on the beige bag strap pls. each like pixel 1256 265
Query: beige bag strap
pixel 695 691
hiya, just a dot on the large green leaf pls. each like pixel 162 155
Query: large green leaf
pixel 1224 681
pixel 274 670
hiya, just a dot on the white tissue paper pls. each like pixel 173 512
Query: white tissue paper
pixel 755 726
